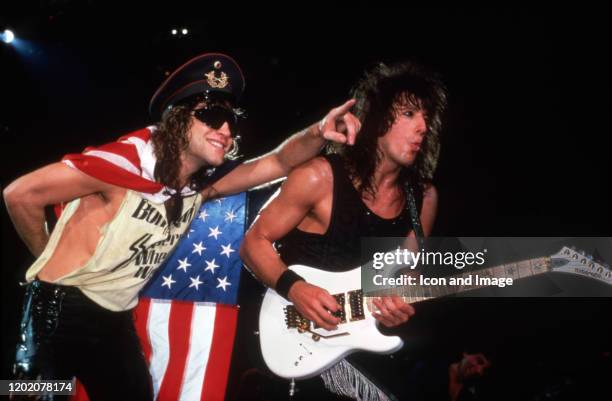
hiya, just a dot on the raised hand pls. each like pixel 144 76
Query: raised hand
pixel 340 125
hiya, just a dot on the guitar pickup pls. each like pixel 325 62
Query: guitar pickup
pixel 356 304
pixel 340 313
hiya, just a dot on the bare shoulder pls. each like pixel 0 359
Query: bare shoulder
pixel 430 191
pixel 315 171
pixel 56 183
pixel 309 182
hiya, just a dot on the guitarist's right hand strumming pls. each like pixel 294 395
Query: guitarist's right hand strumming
pixel 315 304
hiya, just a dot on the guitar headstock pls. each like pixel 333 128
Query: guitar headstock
pixel 568 260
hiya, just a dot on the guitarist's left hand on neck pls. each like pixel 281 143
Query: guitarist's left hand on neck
pixel 392 311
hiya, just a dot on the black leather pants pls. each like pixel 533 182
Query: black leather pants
pixel 64 334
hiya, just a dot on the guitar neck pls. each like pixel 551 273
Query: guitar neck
pixel 463 282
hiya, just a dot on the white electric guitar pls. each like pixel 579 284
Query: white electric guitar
pixel 294 349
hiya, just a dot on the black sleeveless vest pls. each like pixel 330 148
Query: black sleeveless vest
pixel 339 248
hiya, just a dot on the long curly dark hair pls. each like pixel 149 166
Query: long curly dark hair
pixel 380 95
pixel 170 139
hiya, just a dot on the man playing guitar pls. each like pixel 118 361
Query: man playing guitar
pixel 327 204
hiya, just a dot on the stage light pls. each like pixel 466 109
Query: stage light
pixel 184 31
pixel 174 31
pixel 7 36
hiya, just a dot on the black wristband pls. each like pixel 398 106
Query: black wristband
pixel 285 281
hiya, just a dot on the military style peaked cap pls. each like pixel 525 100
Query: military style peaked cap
pixel 204 75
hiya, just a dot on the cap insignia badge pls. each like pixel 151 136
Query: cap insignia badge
pixel 214 81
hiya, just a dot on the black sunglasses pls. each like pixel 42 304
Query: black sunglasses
pixel 216 116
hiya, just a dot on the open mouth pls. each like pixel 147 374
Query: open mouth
pixel 216 144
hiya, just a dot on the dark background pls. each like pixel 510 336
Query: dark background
pixel 525 152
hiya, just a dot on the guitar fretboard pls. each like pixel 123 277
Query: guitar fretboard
pixel 461 282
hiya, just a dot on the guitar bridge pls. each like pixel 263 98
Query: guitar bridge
pixel 294 319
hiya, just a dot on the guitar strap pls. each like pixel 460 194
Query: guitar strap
pixel 411 205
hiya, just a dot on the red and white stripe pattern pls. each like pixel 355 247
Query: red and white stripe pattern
pixel 128 163
pixel 188 347
pixel 120 163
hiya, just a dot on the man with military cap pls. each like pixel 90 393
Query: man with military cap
pixel 138 193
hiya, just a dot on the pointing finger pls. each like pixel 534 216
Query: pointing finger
pixel 343 109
